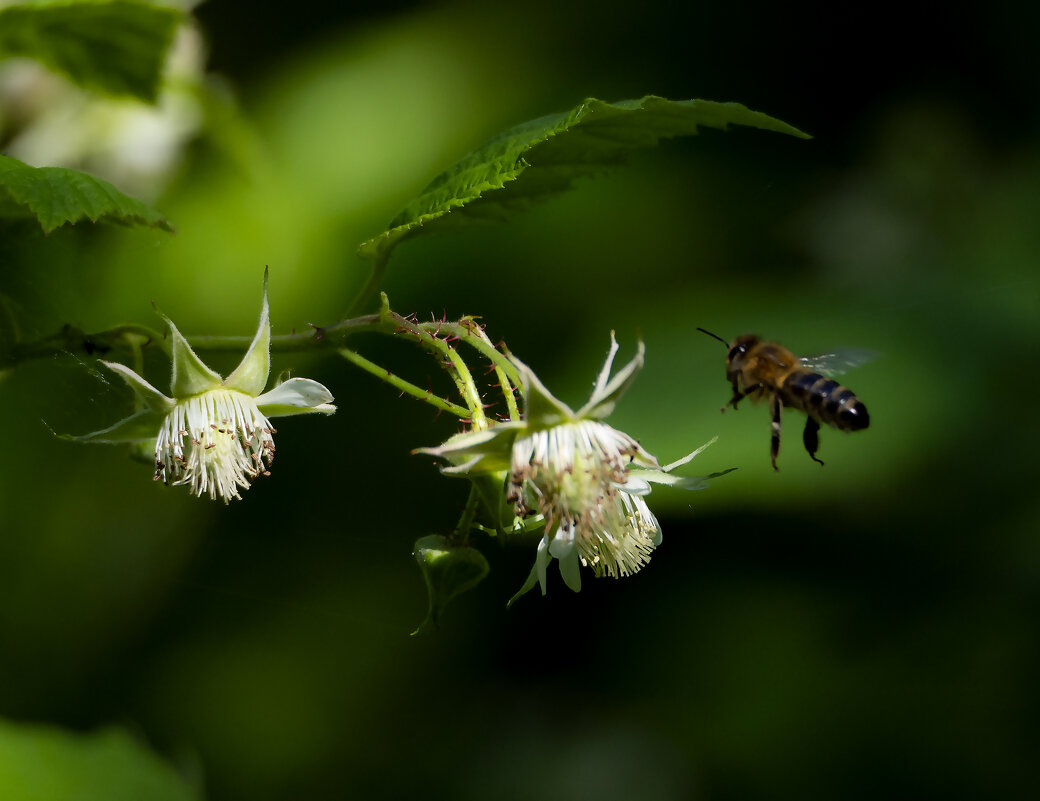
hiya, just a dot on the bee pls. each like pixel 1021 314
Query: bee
pixel 759 369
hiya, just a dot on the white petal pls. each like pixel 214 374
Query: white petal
pixel 636 484
pixel 562 547
pixel 301 392
pixel 563 543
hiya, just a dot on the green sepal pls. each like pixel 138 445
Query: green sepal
pixel 448 570
pixel 491 490
pixel 538 571
pixel 190 375
pixel 474 452
pixel 251 374
pixel 140 427
pixel 149 395
pixel 530 584
pixel 570 565
pixel 608 390
pixel 542 409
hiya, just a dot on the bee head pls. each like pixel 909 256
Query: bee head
pixel 739 349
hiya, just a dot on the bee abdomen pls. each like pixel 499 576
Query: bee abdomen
pixel 826 400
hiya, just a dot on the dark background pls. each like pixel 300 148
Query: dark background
pixel 864 629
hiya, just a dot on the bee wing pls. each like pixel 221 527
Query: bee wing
pixel 839 361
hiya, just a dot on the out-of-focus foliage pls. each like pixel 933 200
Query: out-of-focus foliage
pixel 79 118
pixel 112 46
pixel 45 764
pixel 55 196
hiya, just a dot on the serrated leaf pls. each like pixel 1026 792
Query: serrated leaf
pixel 57 195
pixel 48 764
pixel 543 157
pixel 117 47
pixel 448 570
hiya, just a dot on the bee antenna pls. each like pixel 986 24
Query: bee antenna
pixel 714 336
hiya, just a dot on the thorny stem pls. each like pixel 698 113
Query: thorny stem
pixel 434 336
pixel 457 367
pixel 472 333
pixel 405 386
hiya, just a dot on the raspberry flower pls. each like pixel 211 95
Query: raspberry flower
pixel 214 434
pixel 584 480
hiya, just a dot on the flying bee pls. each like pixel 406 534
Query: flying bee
pixel 760 369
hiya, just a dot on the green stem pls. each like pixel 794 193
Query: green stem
pixel 375 280
pixel 469 331
pixel 318 337
pixel 460 536
pixel 506 372
pixel 74 340
pixel 405 386
pixel 457 367
pixel 428 335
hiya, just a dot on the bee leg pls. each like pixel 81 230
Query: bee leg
pixel 738 396
pixel 811 438
pixel 775 405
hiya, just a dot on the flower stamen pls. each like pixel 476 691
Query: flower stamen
pixel 215 442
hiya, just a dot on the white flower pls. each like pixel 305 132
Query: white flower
pixel 214 434
pixel 575 475
pixel 585 480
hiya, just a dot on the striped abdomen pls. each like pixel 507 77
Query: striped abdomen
pixel 826 400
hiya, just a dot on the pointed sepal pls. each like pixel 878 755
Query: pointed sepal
pixel 137 428
pixel 484 451
pixel 190 375
pixel 251 374
pixel 606 393
pixel 542 409
pixel 151 397
pixel 537 574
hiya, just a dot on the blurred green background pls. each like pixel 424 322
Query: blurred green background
pixel 867 629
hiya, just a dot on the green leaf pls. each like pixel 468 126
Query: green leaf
pixel 544 156
pixel 117 47
pixel 449 570
pixel 48 764
pixel 56 195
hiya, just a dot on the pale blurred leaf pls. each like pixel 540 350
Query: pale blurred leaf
pixel 116 47
pixel 47 764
